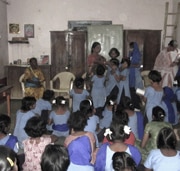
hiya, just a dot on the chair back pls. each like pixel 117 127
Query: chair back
pixel 144 75
pixel 66 81
pixel 22 84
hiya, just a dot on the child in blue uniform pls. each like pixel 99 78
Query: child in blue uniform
pixel 78 93
pixel 22 116
pixel 112 76
pixel 124 80
pixel 59 116
pixel 6 139
pixel 98 92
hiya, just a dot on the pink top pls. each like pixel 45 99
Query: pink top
pixel 33 149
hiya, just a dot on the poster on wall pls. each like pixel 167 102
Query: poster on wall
pixel 29 30
pixel 14 28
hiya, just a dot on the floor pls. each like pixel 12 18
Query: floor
pixel 15 105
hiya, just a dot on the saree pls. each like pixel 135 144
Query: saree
pixel 164 64
pixel 30 88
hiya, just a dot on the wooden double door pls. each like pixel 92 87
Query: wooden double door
pixel 68 52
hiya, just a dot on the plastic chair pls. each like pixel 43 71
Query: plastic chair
pixel 22 84
pixel 23 87
pixel 62 83
pixel 144 75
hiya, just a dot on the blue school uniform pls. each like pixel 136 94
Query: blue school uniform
pixel 124 85
pixel 111 82
pixel 107 118
pixel 10 141
pixel 42 104
pixel 60 127
pixel 92 126
pixel 77 98
pixel 104 157
pixel 98 92
pixel 154 98
pixel 21 120
pixel 80 154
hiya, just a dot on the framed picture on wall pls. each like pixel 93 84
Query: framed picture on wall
pixel 14 28
pixel 29 30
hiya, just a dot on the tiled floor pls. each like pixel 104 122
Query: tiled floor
pixel 15 105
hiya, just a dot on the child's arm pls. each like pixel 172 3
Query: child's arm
pixel 144 140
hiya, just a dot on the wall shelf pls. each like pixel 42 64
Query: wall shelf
pixel 18 42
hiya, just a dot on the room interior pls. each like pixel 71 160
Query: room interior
pixel 62 33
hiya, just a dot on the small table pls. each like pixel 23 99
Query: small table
pixel 6 92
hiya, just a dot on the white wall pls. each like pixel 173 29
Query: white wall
pixel 50 15
pixel 3 38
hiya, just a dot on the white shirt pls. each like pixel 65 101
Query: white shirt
pixel 158 162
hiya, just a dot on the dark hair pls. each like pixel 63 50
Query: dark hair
pixel 155 76
pixel 166 139
pixel 54 158
pixel 79 83
pixel 173 43
pixel 27 103
pixel 7 158
pixel 59 101
pixel 77 121
pixel 115 50
pixel 121 117
pixel 111 101
pixel 117 132
pixel 35 127
pixel 127 60
pixel 158 113
pixel 127 103
pixel 5 122
pixel 48 95
pixel 115 62
pixel 32 59
pixel 131 44
pixel 86 107
pixel 122 161
pixel 94 45
pixel 100 70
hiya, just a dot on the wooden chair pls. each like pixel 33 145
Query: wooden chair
pixel 62 83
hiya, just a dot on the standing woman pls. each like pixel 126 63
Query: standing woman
pixel 93 60
pixel 134 73
pixel 33 79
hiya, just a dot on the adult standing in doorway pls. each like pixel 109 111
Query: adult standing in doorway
pixel 135 79
pixel 167 63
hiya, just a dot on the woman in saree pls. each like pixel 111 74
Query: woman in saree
pixel 33 79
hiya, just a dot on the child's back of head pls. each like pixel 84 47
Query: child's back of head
pixel 35 127
pixel 5 122
pixel 155 76
pixel 55 158
pixel 79 83
pixel 123 161
pixel 77 121
pixel 48 95
pixel 59 101
pixel 28 103
pixel 100 70
pixel 86 107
